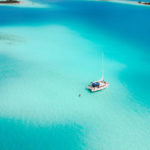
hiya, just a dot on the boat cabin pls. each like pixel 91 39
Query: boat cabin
pixel 95 84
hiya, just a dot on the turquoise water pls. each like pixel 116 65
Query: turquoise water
pixel 49 55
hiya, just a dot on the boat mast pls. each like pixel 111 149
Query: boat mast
pixel 102 67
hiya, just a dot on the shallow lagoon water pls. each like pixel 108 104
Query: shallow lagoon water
pixel 48 56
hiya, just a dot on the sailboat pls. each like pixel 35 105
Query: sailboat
pixel 100 84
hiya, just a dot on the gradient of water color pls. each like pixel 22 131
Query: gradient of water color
pixel 49 55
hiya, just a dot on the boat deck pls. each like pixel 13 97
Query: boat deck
pixel 101 85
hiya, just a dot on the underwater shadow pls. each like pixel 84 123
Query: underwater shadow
pixel 10 67
pixel 15 135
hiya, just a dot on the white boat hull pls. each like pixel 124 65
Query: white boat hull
pixel 102 86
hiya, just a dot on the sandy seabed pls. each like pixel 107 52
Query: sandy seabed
pixel 26 3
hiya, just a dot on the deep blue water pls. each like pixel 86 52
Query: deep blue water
pixel 128 22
